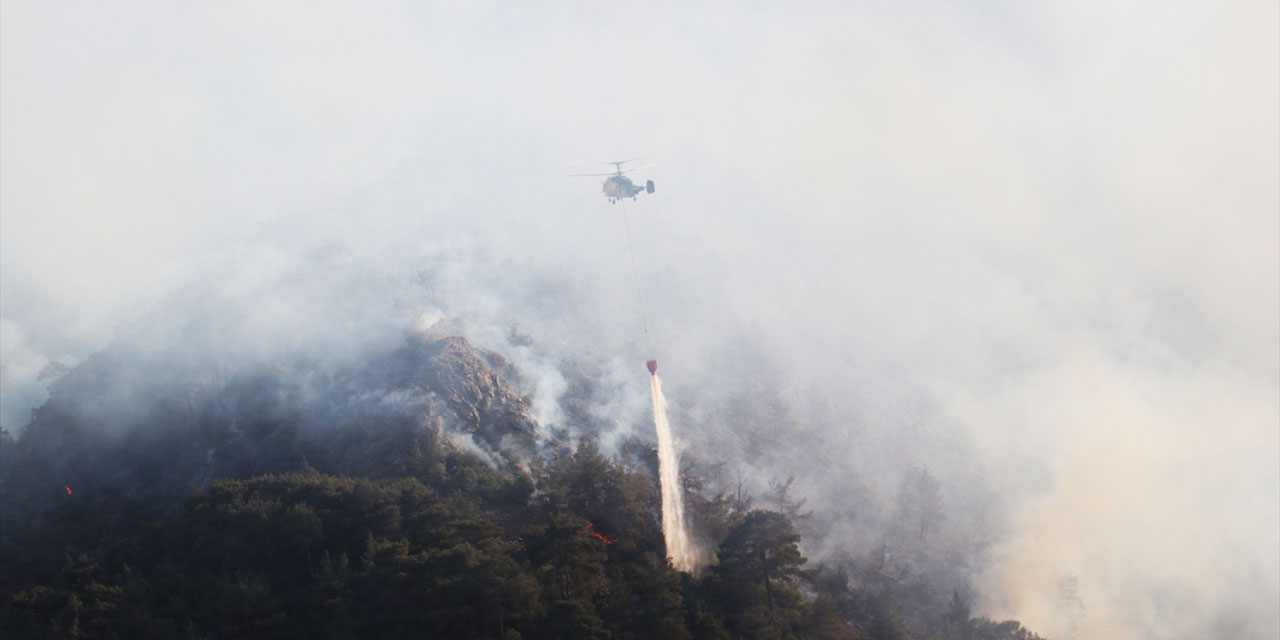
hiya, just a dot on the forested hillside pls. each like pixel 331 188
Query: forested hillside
pixel 152 498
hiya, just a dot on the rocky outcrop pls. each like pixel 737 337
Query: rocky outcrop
pixel 470 381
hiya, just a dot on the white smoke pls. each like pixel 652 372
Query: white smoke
pixel 930 213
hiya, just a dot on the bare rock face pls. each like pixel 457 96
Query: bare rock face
pixel 471 382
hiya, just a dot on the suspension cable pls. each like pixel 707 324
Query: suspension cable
pixel 635 271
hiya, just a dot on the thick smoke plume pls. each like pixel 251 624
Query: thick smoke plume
pixel 1029 247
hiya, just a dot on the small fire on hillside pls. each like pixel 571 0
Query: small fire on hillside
pixel 601 537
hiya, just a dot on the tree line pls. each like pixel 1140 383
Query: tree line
pixel 453 548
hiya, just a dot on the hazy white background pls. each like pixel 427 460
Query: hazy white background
pixel 1056 224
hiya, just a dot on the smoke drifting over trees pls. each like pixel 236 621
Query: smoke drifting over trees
pixel 998 288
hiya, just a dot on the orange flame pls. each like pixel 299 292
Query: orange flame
pixel 601 538
pixel 68 490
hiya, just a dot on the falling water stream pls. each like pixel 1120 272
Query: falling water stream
pixel 684 554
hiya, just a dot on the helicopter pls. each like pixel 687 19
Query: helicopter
pixel 618 186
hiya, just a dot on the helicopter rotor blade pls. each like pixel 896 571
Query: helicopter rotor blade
pixel 620 170
pixel 647 155
pixel 588 175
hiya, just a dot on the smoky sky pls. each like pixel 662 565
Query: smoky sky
pixel 1051 231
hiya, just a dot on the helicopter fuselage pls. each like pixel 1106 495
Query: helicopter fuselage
pixel 617 187
pixel 620 187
